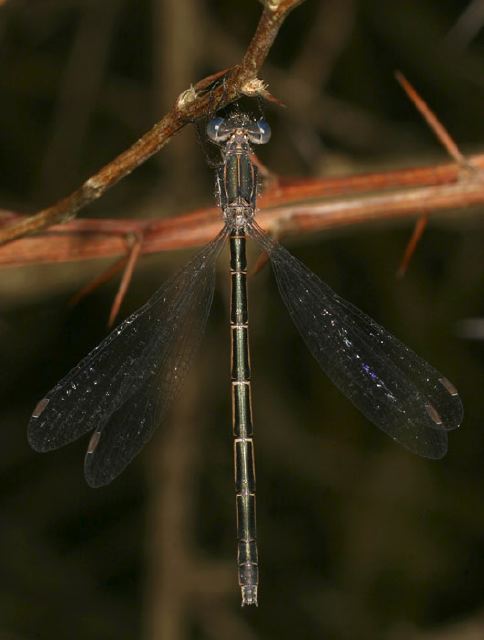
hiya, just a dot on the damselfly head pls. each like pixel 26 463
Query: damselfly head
pixel 219 130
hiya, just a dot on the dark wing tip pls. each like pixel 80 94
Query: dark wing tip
pixel 37 435
pixel 454 415
pixel 97 470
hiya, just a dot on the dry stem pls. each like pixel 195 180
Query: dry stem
pixel 290 206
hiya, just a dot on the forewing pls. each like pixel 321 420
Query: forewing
pixel 149 351
pixel 391 385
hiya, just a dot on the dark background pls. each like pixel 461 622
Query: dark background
pixel 358 538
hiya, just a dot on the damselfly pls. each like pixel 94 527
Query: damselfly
pixel 125 387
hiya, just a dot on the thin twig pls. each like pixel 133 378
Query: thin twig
pixel 191 105
pixel 412 245
pixel 447 142
pixel 100 279
pixel 126 279
pixel 434 123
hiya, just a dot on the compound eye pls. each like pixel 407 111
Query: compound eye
pixel 217 130
pixel 261 133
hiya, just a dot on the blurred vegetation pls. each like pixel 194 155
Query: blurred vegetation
pixel 358 538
